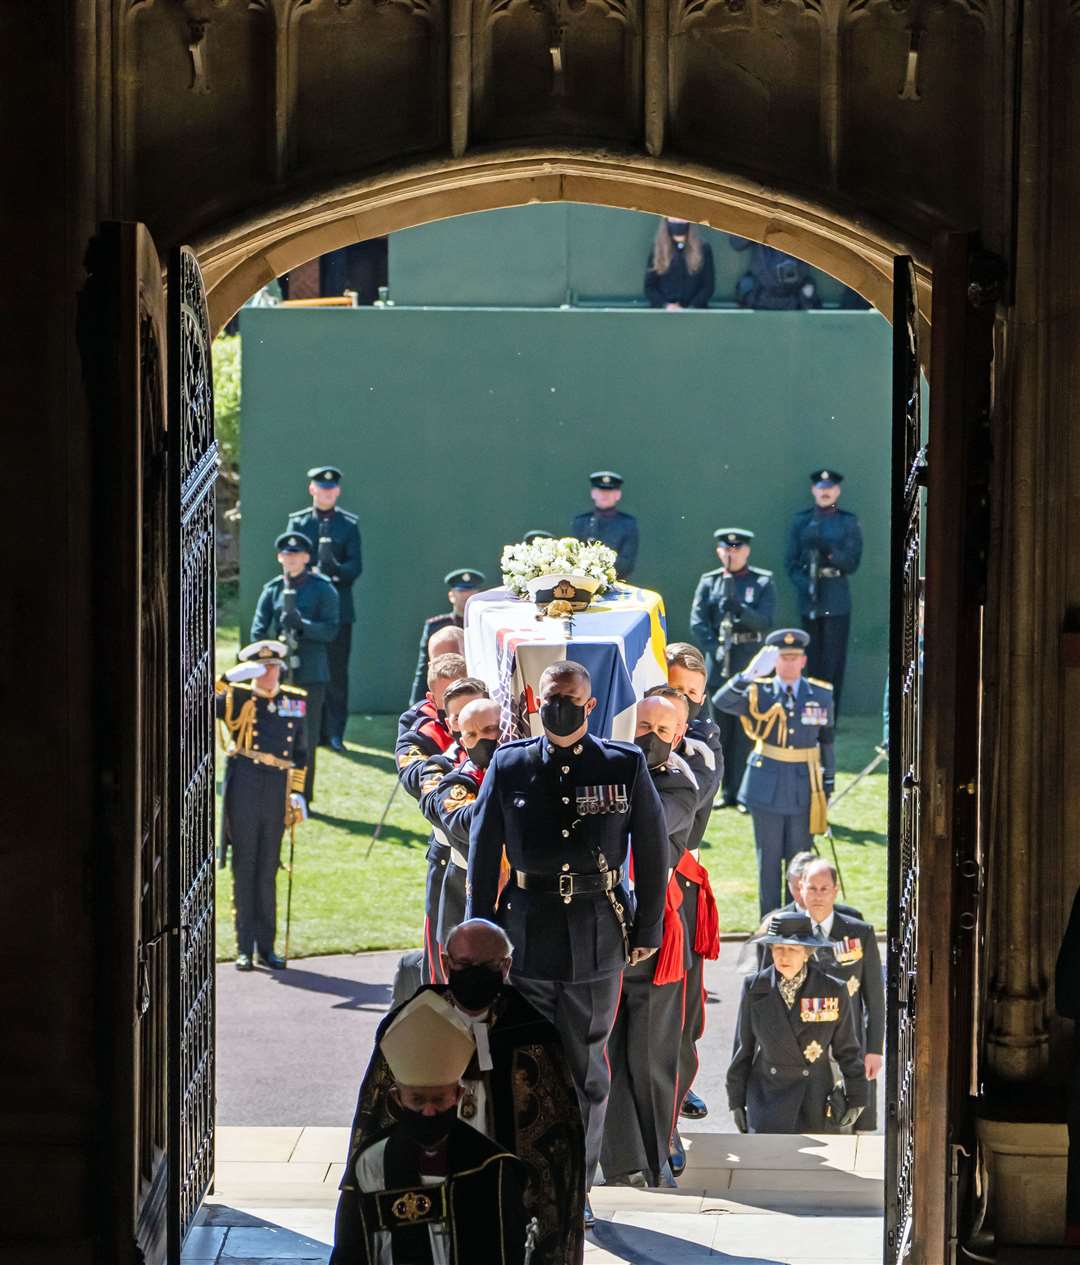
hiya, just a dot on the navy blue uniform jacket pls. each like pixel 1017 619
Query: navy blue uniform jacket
pixel 613 528
pixel 317 602
pixel 343 563
pixel 836 537
pixel 535 800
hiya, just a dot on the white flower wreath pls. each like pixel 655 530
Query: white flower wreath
pixel 543 556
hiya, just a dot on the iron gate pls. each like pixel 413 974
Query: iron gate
pixel 193 465
pixel 905 729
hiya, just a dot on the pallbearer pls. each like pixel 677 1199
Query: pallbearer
pixel 790 773
pixel 460 586
pixel 264 737
pixel 336 537
pixel 430 1188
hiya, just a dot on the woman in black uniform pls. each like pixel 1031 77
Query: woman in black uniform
pixel 794 1022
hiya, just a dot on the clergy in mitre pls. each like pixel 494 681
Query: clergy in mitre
pixel 430 1189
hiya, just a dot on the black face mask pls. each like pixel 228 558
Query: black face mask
pixel 482 751
pixel 476 987
pixel 426 1130
pixel 655 748
pixel 440 713
pixel 694 709
pixel 560 715
pixel 678 228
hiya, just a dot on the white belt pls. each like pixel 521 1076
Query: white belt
pixel 440 837
pixel 458 858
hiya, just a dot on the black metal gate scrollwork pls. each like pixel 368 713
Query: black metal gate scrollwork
pixel 905 731
pixel 193 466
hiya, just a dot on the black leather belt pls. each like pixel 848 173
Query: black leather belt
pixel 567 884
pixel 829 573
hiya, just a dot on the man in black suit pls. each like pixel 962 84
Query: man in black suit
pixel 856 961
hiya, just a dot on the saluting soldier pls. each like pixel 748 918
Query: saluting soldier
pixel 607 524
pixel 461 585
pixel 824 547
pixel 301 607
pixel 265 742
pixel 795 1021
pixel 733 607
pixel 336 538
pixel 565 806
pixel 792 766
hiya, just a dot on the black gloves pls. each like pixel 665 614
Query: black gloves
pixel 850 1116
pixel 291 621
pixel 327 562
pixel 739 1116
pixel 731 606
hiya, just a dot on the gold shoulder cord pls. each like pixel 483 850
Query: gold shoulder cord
pixel 238 728
pixel 759 725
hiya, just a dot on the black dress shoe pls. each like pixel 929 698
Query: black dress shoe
pixel 243 962
pixel 336 744
pixel 271 960
pixel 590 1216
pixel 677 1158
pixel 693 1107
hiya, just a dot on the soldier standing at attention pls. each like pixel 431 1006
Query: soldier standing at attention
pixel 607 524
pixel 336 538
pixel 266 754
pixel 461 585
pixel 791 769
pixel 568 808
pixel 300 608
pixel 825 547
pixel 733 607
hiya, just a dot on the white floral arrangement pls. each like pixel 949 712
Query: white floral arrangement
pixel 524 562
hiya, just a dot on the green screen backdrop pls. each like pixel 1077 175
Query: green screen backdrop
pixel 459 430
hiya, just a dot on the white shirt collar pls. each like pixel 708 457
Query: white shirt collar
pixel 826 926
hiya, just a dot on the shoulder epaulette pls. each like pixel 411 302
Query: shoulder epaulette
pixel 277 579
pixel 716 571
pixel 300 513
pixel 294 689
pixel 348 515
pixel 628 748
pixel 518 742
pixel 822 684
pixel 761 574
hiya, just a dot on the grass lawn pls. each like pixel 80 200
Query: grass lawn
pixel 345 902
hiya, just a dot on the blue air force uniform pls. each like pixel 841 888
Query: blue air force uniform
pixel 791 769
pixel 611 527
pixel 266 755
pixel 729 617
pixel 569 818
pixel 316 626
pixel 825 547
pixel 338 557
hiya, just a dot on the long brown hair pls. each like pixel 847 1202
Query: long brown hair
pixel 662 249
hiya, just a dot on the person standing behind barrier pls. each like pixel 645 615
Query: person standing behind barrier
pixel 301 609
pixel 733 607
pixel 680 273
pixel 792 767
pixel 336 538
pixel 824 547
pixel 775 281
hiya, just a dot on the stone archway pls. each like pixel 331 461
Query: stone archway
pixel 238 258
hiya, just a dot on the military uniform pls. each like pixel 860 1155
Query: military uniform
pixel 775 281
pixel 781 1065
pixel 448 801
pixel 612 527
pixel 266 754
pixel 643 1048
pixel 566 816
pixel 856 961
pixel 464 578
pixel 825 547
pixel 317 608
pixel 338 557
pixel 703 752
pixel 729 616
pixel 791 769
